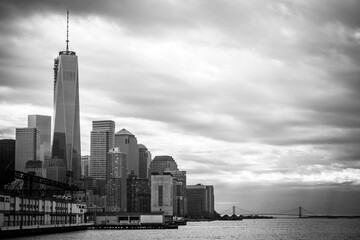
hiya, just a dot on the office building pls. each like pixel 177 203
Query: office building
pixel 200 201
pixel 43 124
pixel 117 164
pixel 116 181
pixel 162 163
pixel 127 143
pixel 7 161
pixel 138 195
pixel 56 169
pixel 35 168
pixel 144 161
pixel 26 147
pixel 102 140
pixel 179 198
pixel 162 193
pixel 85 166
pixel 66 137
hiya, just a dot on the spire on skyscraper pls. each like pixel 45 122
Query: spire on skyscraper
pixel 66 134
pixel 67 31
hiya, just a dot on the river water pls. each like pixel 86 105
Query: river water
pixel 261 229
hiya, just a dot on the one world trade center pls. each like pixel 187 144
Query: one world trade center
pixel 66 138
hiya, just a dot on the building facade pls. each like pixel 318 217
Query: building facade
pixel 161 164
pixel 56 169
pixel 7 160
pixel 116 180
pixel 43 124
pixel 66 136
pixel 85 166
pixel 27 212
pixel 26 147
pixel 144 161
pixel 138 195
pixel 35 168
pixel 179 198
pixel 162 193
pixel 200 201
pixel 102 140
pixel 127 143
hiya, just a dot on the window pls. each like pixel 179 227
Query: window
pixel 161 192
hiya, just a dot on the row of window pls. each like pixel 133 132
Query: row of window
pixel 4 199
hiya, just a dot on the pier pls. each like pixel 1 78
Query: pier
pixel 20 231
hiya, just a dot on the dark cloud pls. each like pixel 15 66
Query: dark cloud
pixel 345 12
pixel 133 12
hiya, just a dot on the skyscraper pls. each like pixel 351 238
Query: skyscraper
pixel 179 182
pixel 200 200
pixel 66 138
pixel 102 140
pixel 26 147
pixel 127 143
pixel 144 161
pixel 116 180
pixel 43 124
pixel 162 163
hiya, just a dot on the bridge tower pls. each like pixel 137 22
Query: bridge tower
pixel 300 212
pixel 233 210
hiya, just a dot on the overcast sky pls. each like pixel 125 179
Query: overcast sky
pixel 259 98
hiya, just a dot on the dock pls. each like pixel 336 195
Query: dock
pixel 20 231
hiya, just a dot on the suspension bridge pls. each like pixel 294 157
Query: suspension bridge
pixel 295 212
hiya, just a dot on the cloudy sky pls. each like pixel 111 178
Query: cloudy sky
pixel 259 98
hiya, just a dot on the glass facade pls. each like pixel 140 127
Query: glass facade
pixel 43 124
pixel 26 147
pixel 102 140
pixel 144 157
pixel 66 138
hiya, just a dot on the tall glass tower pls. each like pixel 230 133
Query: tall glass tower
pixel 102 140
pixel 66 138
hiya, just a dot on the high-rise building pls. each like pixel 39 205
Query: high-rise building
pixel 26 147
pixel 102 140
pixel 144 161
pixel 56 169
pixel 66 138
pixel 162 163
pixel 138 195
pixel 43 124
pixel 162 193
pixel 116 180
pixel 127 143
pixel 85 166
pixel 7 160
pixel 200 200
pixel 179 182
pixel 117 164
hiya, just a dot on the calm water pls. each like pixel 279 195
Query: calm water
pixel 269 229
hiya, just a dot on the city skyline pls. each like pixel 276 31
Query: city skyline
pixel 259 99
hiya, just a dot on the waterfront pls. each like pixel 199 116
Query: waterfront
pixel 269 229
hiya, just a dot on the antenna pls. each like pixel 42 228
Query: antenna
pixel 67 31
